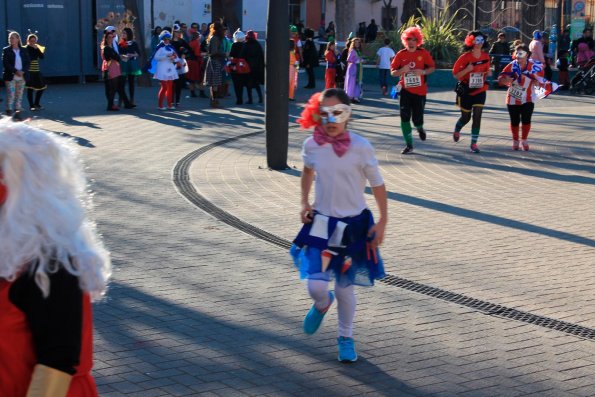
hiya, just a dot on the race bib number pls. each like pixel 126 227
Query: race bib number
pixel 412 80
pixel 517 92
pixel 476 80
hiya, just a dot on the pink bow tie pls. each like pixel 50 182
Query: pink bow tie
pixel 340 142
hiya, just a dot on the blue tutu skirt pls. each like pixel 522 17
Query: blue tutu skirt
pixel 345 242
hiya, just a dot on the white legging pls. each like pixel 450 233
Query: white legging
pixel 318 290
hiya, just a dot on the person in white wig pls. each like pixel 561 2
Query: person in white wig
pixel 52 265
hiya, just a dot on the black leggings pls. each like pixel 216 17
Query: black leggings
pixel 412 105
pixel 38 94
pixel 179 84
pixel 131 82
pixel 521 113
pixel 466 116
pixel 111 87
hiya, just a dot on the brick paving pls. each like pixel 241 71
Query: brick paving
pixel 198 308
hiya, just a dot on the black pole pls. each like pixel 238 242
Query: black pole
pixel 277 84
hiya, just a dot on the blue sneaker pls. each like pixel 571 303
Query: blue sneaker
pixel 347 352
pixel 314 317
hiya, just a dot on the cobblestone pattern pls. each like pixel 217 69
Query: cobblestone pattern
pixel 197 308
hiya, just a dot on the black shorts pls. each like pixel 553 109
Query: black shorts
pixel 466 102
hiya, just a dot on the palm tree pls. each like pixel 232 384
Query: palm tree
pixel 344 18
pixel 411 8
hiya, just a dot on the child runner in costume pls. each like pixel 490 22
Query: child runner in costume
pixel 52 265
pixel 331 66
pixel 163 67
pixel 471 70
pixel 524 78
pixel 412 64
pixel 35 82
pixel 339 239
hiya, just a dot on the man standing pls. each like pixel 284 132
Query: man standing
pixel 412 64
pixel 500 49
pixel 384 56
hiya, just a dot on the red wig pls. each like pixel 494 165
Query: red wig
pixel 413 31
pixel 310 116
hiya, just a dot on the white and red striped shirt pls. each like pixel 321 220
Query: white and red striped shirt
pixel 521 90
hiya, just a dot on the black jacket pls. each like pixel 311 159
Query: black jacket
pixel 8 60
pixel 254 55
pixel 310 54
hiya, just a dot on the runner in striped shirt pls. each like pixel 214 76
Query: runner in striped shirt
pixel 521 76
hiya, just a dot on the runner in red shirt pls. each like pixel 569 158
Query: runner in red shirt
pixel 520 76
pixel 471 70
pixel 412 64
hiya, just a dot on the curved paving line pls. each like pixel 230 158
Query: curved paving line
pixel 181 179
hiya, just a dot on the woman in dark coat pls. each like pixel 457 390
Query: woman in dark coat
pixel 112 72
pixel 235 55
pixel 214 66
pixel 254 55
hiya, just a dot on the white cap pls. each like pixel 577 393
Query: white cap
pixel 238 35
pixel 109 29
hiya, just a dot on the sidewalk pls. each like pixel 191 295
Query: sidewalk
pixel 199 308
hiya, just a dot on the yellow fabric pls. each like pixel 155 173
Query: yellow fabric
pixel 48 382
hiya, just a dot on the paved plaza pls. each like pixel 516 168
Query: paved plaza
pixel 490 256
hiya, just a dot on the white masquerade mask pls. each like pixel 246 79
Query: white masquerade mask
pixel 521 54
pixel 335 114
pixel 479 40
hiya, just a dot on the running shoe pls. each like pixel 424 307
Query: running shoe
pixel 314 317
pixel 422 134
pixel 525 145
pixel 347 352
pixel 408 149
pixel 456 136
pixel 474 148
pixel 515 144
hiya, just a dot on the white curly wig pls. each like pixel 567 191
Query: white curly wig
pixel 43 219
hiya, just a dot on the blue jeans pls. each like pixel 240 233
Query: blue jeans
pixel 383 77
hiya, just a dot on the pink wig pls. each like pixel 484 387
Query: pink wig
pixel 413 31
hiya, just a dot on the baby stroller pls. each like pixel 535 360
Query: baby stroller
pixel 584 79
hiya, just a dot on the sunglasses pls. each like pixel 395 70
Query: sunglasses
pixel 411 39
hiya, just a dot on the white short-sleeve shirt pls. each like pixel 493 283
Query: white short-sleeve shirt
pixel 386 54
pixel 341 181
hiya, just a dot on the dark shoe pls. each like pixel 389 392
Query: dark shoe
pixel 39 107
pixel 473 148
pixel 291 99
pixel 239 102
pixel 408 149
pixel 17 116
pixel 456 136
pixel 130 106
pixel 9 112
pixel 422 134
pixel 355 100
